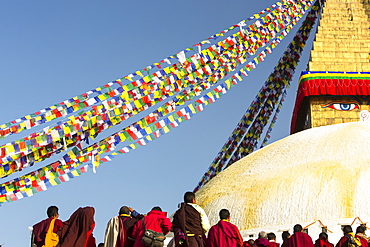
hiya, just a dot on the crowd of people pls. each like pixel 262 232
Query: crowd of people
pixel 190 226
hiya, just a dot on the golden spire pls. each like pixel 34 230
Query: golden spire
pixel 342 41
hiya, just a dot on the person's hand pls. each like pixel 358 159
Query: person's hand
pixel 131 210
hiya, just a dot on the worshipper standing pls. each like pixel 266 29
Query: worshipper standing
pixel 155 220
pixel 323 241
pixel 271 237
pixel 299 238
pixel 262 240
pixel 285 236
pixel 119 229
pixel 249 243
pixel 360 234
pixel 190 223
pixel 224 233
pixel 77 230
pixel 42 235
pixel 348 238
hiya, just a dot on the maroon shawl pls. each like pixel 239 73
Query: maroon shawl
pixel 300 239
pixel 224 234
pixel 40 229
pixel 323 242
pixel 78 228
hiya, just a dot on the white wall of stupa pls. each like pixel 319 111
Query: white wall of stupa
pixel 317 174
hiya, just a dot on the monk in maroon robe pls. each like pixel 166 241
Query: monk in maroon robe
pixel 77 230
pixel 224 233
pixel 262 240
pixel 323 241
pixel 40 229
pixel 285 236
pixel 299 238
pixel 271 237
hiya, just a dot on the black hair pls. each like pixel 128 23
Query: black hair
pixel 224 214
pixel 189 197
pixel 360 229
pixel 157 208
pixel 271 236
pixel 347 229
pixel 297 228
pixel 124 210
pixel 52 211
pixel 285 235
pixel 323 235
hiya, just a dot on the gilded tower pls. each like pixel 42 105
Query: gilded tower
pixel 335 87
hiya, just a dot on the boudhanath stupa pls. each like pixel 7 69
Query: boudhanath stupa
pixel 319 176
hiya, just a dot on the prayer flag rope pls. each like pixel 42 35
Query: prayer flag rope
pixel 242 142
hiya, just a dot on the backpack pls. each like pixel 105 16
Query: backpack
pixel 152 238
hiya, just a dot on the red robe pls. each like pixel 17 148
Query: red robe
pixel 300 239
pixel 224 234
pixel 246 244
pixel 323 242
pixel 273 244
pixel 41 228
pixel 261 242
pixel 364 242
pixel 77 230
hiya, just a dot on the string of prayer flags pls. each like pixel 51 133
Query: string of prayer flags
pixel 178 83
pixel 243 139
pixel 137 103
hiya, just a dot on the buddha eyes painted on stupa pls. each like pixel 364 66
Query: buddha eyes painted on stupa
pixel 342 106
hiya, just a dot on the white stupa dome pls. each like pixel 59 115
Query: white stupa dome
pixel 320 173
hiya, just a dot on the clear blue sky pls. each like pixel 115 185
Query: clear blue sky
pixel 53 50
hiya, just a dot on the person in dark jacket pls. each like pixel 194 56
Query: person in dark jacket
pixel 190 223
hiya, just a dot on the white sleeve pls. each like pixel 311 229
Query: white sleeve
pixel 203 217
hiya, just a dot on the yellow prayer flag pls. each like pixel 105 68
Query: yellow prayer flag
pixel 166 129
pixel 52 182
pixel 148 130
pixel 75 173
pixel 191 107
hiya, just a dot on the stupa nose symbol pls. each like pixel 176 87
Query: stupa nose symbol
pixel 364 115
